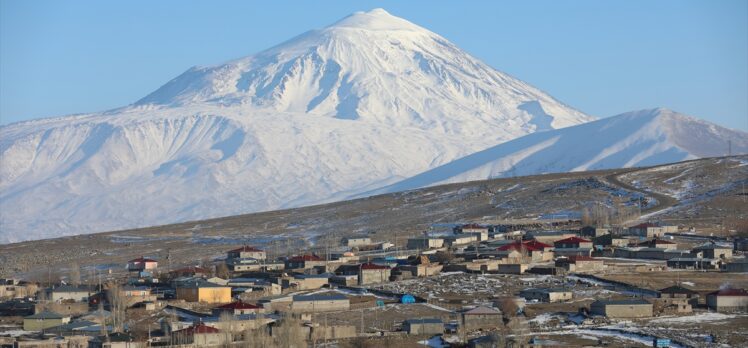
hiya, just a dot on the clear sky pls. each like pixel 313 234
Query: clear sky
pixel 602 57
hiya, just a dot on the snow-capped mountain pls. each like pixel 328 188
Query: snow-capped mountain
pixel 638 138
pixel 360 104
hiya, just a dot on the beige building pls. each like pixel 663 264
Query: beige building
pixel 634 308
pixel 199 335
pixel 352 242
pixel 204 292
pixel 547 294
pixel 580 264
pixel 307 281
pixel 482 318
pixel 44 320
pixel 427 326
pixel 714 251
pixel 69 292
pixel 370 273
pixel 728 300
pixel 246 252
pixel 425 243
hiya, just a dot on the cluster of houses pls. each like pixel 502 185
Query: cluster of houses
pixel 256 292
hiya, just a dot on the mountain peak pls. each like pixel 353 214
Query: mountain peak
pixel 376 19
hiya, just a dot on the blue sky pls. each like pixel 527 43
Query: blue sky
pixel 602 57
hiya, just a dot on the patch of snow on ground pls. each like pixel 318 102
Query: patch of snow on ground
pixel 698 318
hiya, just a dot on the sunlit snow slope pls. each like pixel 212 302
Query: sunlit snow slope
pixel 639 138
pixel 361 104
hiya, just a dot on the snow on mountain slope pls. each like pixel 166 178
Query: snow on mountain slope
pixel 375 67
pixel 639 138
pixel 361 104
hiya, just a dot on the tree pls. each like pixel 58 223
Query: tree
pixel 75 274
pixel 222 271
pixel 117 307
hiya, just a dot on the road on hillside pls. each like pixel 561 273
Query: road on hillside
pixel 663 201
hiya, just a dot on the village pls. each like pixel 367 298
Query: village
pixel 474 285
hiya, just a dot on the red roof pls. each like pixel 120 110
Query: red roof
pixel 245 248
pixel 239 305
pixel 198 329
pixel 645 225
pixel 730 292
pixel 142 259
pixel 573 240
pixel 531 245
pixel 373 266
pixel 305 258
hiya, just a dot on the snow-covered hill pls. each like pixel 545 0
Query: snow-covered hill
pixel 361 104
pixel 639 138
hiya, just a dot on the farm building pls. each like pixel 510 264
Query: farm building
pixel 481 318
pixel 634 308
pixel 44 320
pixel 325 302
pixel 547 294
pixel 572 243
pixel 583 263
pixel 693 263
pixel 714 251
pixel 70 292
pixel 728 300
pixel 305 261
pixel 424 243
pixel 423 326
pixel 237 308
pixel 199 335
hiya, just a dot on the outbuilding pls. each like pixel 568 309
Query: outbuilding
pixel 427 326
pixel 728 300
pixel 633 308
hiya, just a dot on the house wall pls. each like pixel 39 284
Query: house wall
pixel 727 303
pixel 75 296
pixel 481 321
pixel 320 306
pixel 373 276
pixel 623 311
pixel 514 268
pixel 423 328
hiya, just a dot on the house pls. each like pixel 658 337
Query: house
pixel 547 294
pixel 304 262
pixel 693 263
pixel 353 242
pixel 136 294
pixel 69 293
pixel 536 251
pixel 659 244
pixel 325 302
pixel 199 335
pixel 427 326
pixel 460 239
pixel 740 265
pixel 679 292
pixel 513 268
pixel 141 264
pixel 592 232
pixel 583 263
pixel 650 230
pixel 728 300
pixel 482 318
pixel 307 281
pixel 549 237
pixel 44 320
pixel 204 292
pixel 572 243
pixel 344 279
pixel 423 267
pixel 249 264
pixel 714 251
pixel 237 308
pixel 370 273
pixel 424 243
pixel 246 252
pixel 610 240
pixel 566 252
pixel 632 308
pixel 471 228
